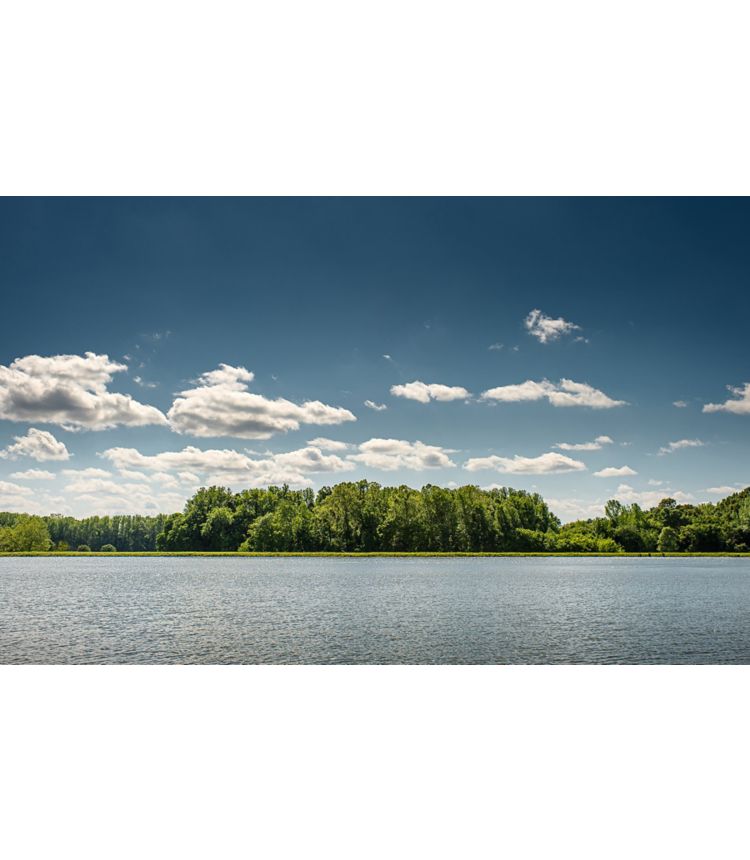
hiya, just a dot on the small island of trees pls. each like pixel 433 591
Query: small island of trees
pixel 363 516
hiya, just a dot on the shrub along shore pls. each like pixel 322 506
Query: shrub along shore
pixel 365 519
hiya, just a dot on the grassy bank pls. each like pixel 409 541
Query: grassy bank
pixel 377 554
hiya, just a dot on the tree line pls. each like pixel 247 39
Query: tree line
pixel 364 516
pixel 123 533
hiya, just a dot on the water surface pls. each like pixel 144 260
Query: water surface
pixel 328 610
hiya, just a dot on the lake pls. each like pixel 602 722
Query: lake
pixel 329 610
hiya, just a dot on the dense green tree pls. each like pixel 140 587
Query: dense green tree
pixel 28 534
pixel 669 540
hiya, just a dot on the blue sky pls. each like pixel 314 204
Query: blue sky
pixel 497 333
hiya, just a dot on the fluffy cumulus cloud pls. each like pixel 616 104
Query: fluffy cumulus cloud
pixel 378 407
pixel 671 447
pixel 221 405
pixel 34 475
pixel 71 392
pixel 546 329
pixel 192 466
pixel 424 392
pixel 739 405
pixel 14 497
pixel 39 445
pixel 596 445
pixel 20 499
pixel 100 496
pixel 392 454
pixel 565 393
pixel 550 463
pixel 615 472
pixel 572 508
pixel 649 498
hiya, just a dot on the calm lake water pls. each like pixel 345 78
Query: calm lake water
pixel 467 610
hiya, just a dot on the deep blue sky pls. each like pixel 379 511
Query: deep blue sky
pixel 310 294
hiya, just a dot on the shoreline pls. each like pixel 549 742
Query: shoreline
pixel 198 554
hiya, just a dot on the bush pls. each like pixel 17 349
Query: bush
pixel 84 547
pixel 108 547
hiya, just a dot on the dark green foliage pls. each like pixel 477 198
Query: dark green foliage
pixel 125 533
pixel 24 533
pixel 107 548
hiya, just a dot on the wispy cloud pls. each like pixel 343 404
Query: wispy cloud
pixel 378 407
pixel 671 447
pixel 546 329
pixel 596 445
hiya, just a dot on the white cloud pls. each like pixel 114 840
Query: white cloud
pixel 8 488
pixel 142 382
pixel 546 329
pixel 34 475
pixel 194 466
pixel 391 454
pixel 424 392
pixel 596 445
pixel 615 472
pixel 310 459
pixel 680 404
pixel 102 496
pixel 652 482
pixel 14 497
pixel 40 445
pixel 649 498
pixel 715 491
pixel 495 346
pixel 70 391
pixel 566 393
pixel 328 444
pixel 90 472
pixel 576 509
pixel 671 447
pixel 165 479
pixel 221 405
pixel 739 406
pixel 102 486
pixel 550 463
pixel 378 407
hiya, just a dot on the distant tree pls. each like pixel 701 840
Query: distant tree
pixel 84 547
pixel 629 538
pixel 29 534
pixel 669 540
pixel 108 547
